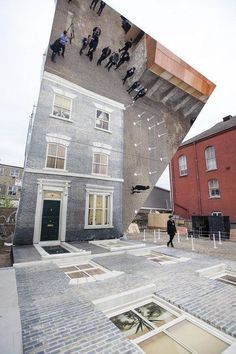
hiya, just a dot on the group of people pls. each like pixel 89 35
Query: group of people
pixel 115 59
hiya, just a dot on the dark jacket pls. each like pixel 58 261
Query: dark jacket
pixel 106 52
pixel 114 58
pixel 56 46
pixel 171 229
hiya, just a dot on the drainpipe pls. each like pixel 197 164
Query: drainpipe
pixel 171 186
pixel 198 179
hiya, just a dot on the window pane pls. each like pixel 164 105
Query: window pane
pixel 103 170
pixel 99 201
pixel 60 151
pixel 95 168
pixel 65 114
pixel 60 163
pixel 52 149
pixel 155 314
pixel 162 344
pixel 96 158
pixel 106 217
pixel 98 217
pixel 51 162
pixel 105 125
pixel 90 217
pixel 103 159
pixel 91 199
pixel 197 339
pixel 130 324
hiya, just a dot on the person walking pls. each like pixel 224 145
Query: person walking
pixel 85 43
pixel 123 58
pixel 141 93
pixel 93 4
pixel 171 230
pixel 63 41
pixel 113 60
pixel 102 5
pixel 105 54
pixel 134 86
pixel 127 46
pixel 129 73
pixel 92 47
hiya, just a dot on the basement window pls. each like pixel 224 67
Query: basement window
pixel 83 272
pixel 158 327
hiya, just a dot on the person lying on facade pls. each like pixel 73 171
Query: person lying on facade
pixel 139 188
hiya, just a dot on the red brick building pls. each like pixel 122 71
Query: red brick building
pixel 203 173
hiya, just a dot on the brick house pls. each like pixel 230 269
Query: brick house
pixel 203 173
pixel 10 183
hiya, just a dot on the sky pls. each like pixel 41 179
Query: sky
pixel 201 32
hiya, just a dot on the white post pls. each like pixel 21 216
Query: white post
pixel 144 235
pixel 220 243
pixel 187 235
pixel 193 249
pixel 154 236
pixel 159 234
pixel 214 240
pixel 178 237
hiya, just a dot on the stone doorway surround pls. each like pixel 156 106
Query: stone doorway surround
pixel 51 189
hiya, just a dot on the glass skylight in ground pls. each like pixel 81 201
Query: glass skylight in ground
pixel 85 270
pixel 158 330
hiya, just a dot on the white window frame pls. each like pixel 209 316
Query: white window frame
pixel 109 121
pixel 60 117
pixel 14 172
pixel 54 168
pixel 10 189
pixel 180 316
pixel 217 213
pixel 99 191
pixel 60 140
pixel 183 168
pixel 213 186
pixel 210 158
pixel 94 163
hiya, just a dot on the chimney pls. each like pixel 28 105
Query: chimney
pixel 227 118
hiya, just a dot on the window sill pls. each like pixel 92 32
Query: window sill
pixel 183 175
pixel 212 169
pixel 54 169
pixel 98 227
pixel 104 130
pixel 98 174
pixel 61 118
pixel 215 197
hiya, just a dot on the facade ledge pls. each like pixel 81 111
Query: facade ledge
pixel 104 130
pixel 71 174
pixel 61 118
pixel 98 227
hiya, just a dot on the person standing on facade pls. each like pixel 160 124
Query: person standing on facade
pixel 105 54
pixel 96 31
pixel 102 5
pixel 85 43
pixel 127 46
pixel 171 230
pixel 93 4
pixel 56 47
pixel 92 47
pixel 134 86
pixel 113 60
pixel 123 58
pixel 63 41
pixel 140 94
pixel 129 73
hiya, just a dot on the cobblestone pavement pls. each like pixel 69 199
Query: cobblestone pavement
pixel 59 318
pixel 201 245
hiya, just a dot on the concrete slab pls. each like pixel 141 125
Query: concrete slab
pixel 10 325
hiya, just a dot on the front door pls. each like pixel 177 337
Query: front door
pixel 50 220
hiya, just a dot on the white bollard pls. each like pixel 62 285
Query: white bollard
pixel 193 249
pixel 187 235
pixel 144 235
pixel 214 241
pixel 178 237
pixel 220 243
pixel 154 236
pixel 159 234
